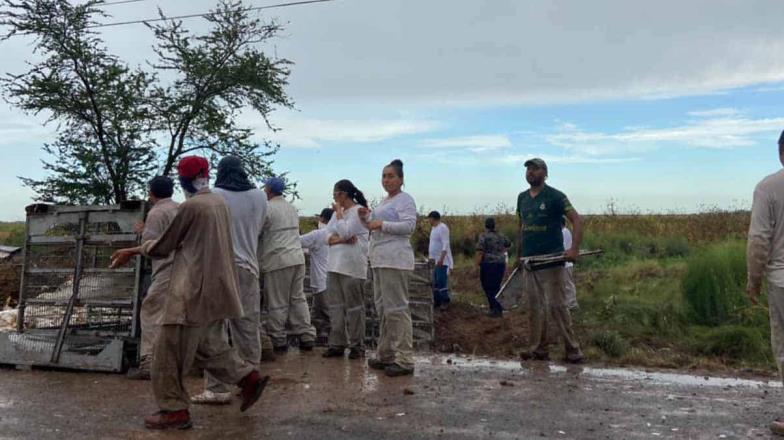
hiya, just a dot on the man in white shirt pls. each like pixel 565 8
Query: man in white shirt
pixel 765 255
pixel 570 289
pixel 316 242
pixel 440 254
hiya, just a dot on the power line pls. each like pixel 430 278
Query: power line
pixel 120 2
pixel 179 17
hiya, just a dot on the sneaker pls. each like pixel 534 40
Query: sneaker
pixel 138 374
pixel 534 356
pixel 378 364
pixel 356 353
pixel 168 420
pixel 332 352
pixel 268 355
pixel 280 348
pixel 395 370
pixel 210 398
pixel 306 345
pixel 252 386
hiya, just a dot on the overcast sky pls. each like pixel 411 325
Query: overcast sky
pixel 659 106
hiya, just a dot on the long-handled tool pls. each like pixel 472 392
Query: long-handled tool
pixel 512 289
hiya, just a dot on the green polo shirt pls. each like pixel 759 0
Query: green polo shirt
pixel 541 220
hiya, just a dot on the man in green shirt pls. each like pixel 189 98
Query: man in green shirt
pixel 540 210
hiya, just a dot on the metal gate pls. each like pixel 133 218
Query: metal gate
pixel 75 312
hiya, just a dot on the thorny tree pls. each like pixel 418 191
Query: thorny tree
pixel 111 118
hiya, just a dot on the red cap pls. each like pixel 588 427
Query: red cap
pixel 193 167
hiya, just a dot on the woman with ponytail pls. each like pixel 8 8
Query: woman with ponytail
pixel 392 260
pixel 346 272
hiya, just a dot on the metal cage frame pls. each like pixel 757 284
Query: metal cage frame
pixel 75 312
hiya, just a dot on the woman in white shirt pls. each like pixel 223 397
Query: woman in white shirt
pixel 392 260
pixel 346 272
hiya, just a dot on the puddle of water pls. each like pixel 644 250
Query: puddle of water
pixel 599 373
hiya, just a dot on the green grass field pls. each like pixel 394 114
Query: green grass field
pixel 669 291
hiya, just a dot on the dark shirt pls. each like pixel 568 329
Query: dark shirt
pixel 493 246
pixel 541 219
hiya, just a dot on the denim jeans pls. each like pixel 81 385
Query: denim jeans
pixel 491 276
pixel 440 285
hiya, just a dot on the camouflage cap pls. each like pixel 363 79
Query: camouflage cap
pixel 535 162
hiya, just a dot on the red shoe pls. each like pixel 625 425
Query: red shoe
pixel 252 386
pixel 168 420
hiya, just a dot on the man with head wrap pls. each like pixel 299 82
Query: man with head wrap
pixel 247 206
pixel 202 293
pixel 283 267
pixel 160 216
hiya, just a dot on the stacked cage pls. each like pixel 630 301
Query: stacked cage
pixel 75 312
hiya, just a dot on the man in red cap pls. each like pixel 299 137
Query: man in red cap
pixel 203 292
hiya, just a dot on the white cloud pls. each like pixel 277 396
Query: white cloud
pixel 297 132
pixel 477 144
pixel 519 159
pixel 713 133
pixel 716 112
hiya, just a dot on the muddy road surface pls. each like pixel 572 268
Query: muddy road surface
pixel 449 397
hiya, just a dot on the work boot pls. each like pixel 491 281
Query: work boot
pixel 378 364
pixel 211 398
pixel 168 420
pixel 535 356
pixel 252 386
pixel 495 314
pixel 333 352
pixel 268 355
pixel 777 426
pixel 356 353
pixel 306 345
pixel 575 357
pixel 395 370
pixel 138 374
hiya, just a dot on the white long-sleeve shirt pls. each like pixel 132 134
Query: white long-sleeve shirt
pixel 765 252
pixel 348 259
pixel 390 247
pixel 439 243
pixel 316 242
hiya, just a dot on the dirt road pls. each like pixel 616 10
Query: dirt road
pixel 450 398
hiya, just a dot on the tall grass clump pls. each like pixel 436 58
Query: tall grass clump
pixel 713 285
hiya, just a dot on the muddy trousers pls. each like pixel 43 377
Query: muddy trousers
pixel 570 290
pixel 151 316
pixel 545 292
pixel 346 300
pixel 390 294
pixel 320 314
pixel 245 335
pixel 178 348
pixel 284 299
pixel 776 310
pixel 490 276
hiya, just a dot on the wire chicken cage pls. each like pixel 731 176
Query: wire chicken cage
pixel 75 312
